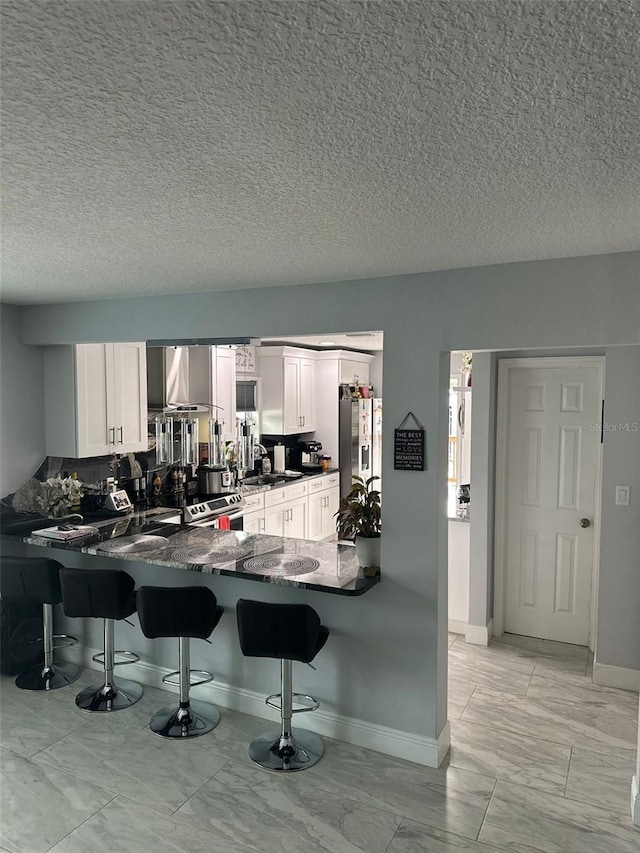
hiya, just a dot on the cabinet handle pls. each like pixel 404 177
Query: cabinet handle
pixel 303 420
pixel 121 431
pixel 112 436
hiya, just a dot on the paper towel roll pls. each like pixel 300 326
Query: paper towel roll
pixel 278 458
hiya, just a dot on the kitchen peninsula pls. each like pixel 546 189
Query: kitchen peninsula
pixel 324 575
pixel 148 538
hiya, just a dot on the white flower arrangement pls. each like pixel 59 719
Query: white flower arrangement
pixel 59 495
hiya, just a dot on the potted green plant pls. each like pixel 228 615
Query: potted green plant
pixel 358 517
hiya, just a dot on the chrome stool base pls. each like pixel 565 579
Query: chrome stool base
pixel 110 697
pixel 48 677
pixel 297 752
pixel 176 722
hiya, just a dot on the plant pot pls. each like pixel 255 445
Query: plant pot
pixel 368 551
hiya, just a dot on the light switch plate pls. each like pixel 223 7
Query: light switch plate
pixel 622 495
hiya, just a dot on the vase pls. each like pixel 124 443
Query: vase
pixel 368 551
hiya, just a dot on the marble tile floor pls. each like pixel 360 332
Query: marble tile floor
pixel 541 762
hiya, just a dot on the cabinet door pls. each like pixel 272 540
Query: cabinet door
pixel 224 367
pixel 332 503
pixel 291 391
pixel 295 519
pixel 94 395
pixel 253 522
pixel 316 517
pixel 305 401
pixel 274 521
pixel 129 412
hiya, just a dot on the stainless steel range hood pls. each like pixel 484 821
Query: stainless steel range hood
pixel 168 371
pixel 168 377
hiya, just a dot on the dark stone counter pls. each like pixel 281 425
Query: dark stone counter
pixel 144 538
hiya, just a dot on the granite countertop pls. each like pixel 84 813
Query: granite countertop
pixel 143 537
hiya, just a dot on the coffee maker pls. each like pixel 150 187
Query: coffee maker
pixel 304 456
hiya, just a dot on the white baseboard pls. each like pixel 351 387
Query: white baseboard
pixel 456 626
pixel 635 801
pixel 616 676
pixel 479 635
pixel 412 747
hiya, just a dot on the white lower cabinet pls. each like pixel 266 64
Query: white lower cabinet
pixel 324 500
pixel 253 519
pixel 301 510
pixel 274 521
pixel 288 519
pixel 253 522
pixel 295 519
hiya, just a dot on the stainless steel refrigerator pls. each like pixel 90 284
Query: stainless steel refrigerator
pixel 376 441
pixel 357 440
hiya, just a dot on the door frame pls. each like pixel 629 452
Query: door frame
pixel 505 366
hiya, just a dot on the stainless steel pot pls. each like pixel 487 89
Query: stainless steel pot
pixel 214 480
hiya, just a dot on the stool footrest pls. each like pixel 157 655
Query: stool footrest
pixel 68 640
pixel 201 676
pixel 313 702
pixel 129 657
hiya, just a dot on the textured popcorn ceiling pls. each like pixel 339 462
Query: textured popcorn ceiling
pixel 160 147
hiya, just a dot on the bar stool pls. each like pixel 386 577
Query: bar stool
pixel 182 612
pixel 288 632
pixel 106 594
pixel 37 580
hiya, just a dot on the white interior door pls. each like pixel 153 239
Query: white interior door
pixel 552 461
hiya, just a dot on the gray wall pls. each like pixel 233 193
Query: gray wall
pixel 481 533
pixel 618 635
pixel 21 405
pixel 396 634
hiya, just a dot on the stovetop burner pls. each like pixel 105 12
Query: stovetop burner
pixel 281 565
pixel 204 555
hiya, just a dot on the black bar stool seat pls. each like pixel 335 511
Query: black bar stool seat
pixel 106 594
pixel 288 632
pixel 183 612
pixel 37 580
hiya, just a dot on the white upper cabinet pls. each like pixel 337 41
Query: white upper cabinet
pixel 288 378
pixel 335 368
pixel 96 399
pixel 306 395
pixel 352 371
pixel 212 381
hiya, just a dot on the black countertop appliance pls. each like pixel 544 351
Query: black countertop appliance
pixel 304 456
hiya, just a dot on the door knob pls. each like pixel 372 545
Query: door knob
pixel 584 522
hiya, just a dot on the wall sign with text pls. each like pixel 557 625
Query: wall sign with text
pixel 409 447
